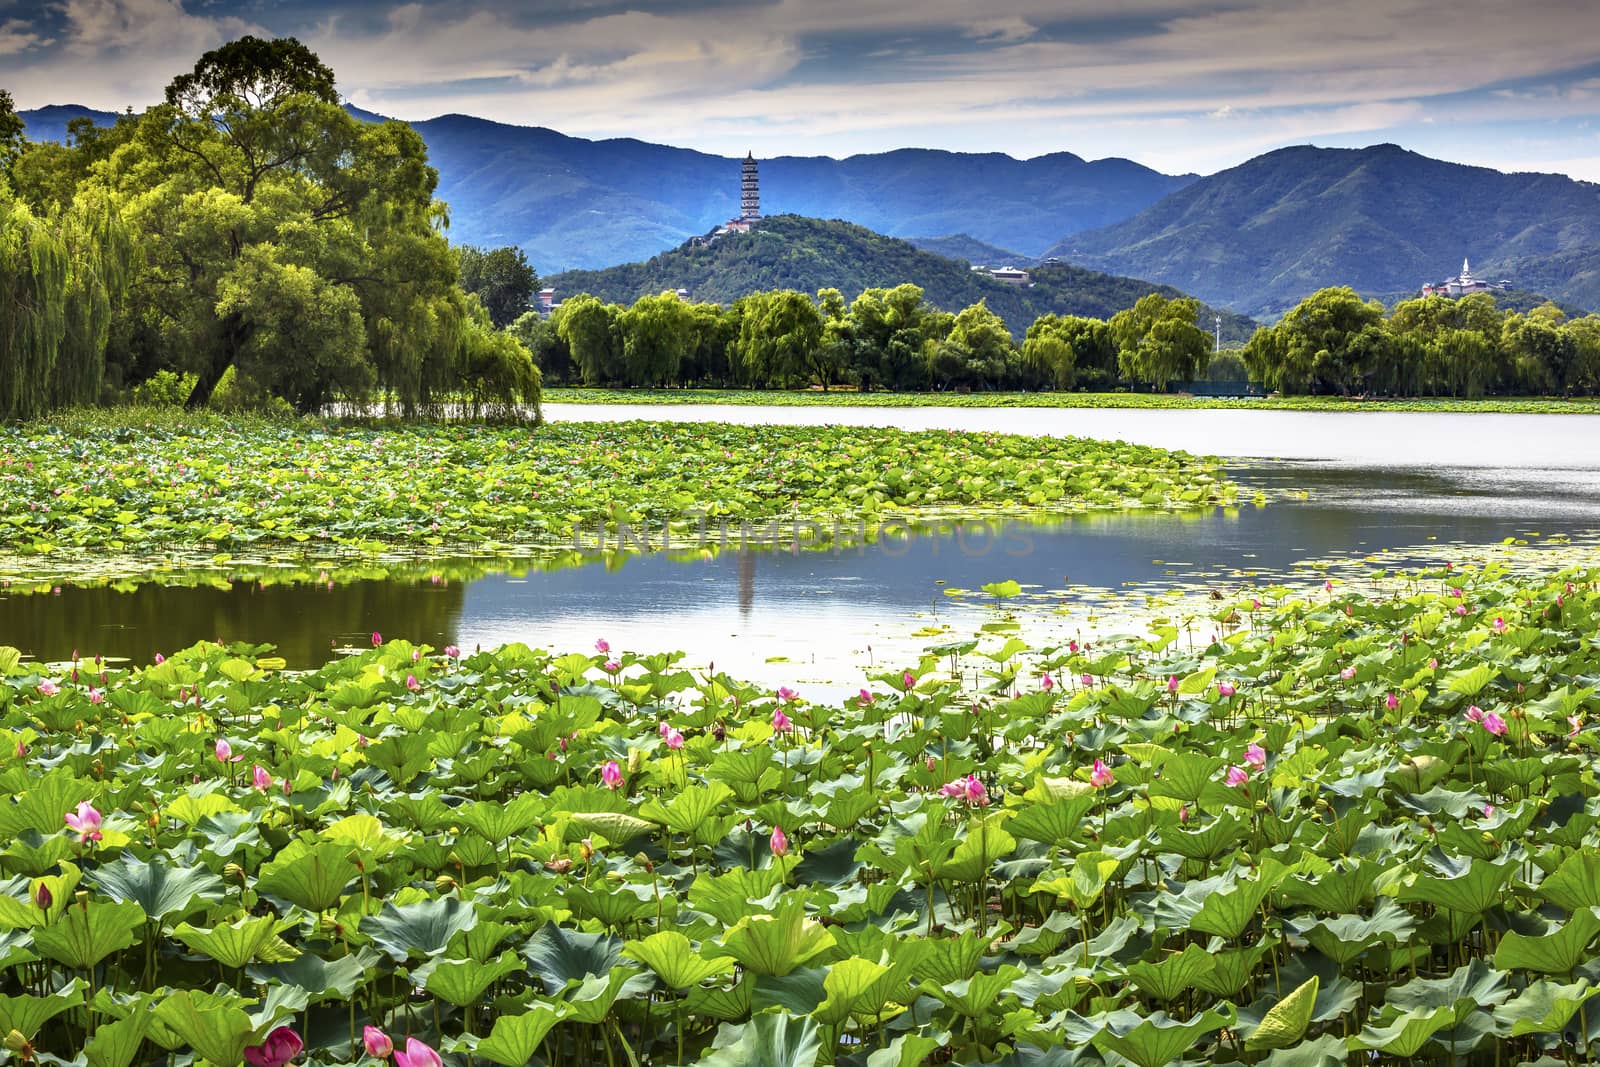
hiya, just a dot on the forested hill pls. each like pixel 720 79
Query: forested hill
pixel 1262 235
pixel 792 252
pixel 572 202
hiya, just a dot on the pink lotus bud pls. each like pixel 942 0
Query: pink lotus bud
pixel 1172 684
pixel 1226 689
pixel 602 646
pixel 377 1042
pixel 377 639
pixel 865 696
pixel 1255 756
pixel 412 683
pixel 781 722
pixel 1237 776
pixel 1047 683
pixel 1391 702
pixel 611 774
pixel 1100 775
pixel 779 843
pixel 260 778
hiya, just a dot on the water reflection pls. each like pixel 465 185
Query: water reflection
pixel 788 612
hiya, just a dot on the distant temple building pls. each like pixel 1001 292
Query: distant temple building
pixel 749 204
pixel 1463 284
pixel 749 190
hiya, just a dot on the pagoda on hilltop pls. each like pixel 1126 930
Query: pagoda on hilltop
pixel 1463 284
pixel 749 191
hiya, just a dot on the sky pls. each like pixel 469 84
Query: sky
pixel 1201 86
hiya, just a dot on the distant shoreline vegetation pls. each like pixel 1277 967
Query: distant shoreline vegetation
pixel 812 397
pixel 1333 344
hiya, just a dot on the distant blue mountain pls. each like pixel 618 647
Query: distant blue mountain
pixel 576 203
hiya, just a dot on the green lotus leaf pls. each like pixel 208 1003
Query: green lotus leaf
pixel 559 956
pixel 1471 888
pixel 1326 1051
pixel 115 1044
pixel 591 1000
pixel 1575 885
pixel 771 1039
pixel 213 1025
pixel 161 890
pixel 320 979
pixel 1051 823
pixel 1557 952
pixel 985 842
pixel 778 943
pixel 1156 1039
pixel 462 982
pixel 515 1039
pixel 1173 975
pixel 673 958
pixel 616 827
pixel 421 928
pixel 1405 1033
pixel 908 1050
pixel 313 876
pixel 26 1013
pixel 1344 938
pixel 245 940
pixel 847 984
pixel 1545 1006
pixel 1287 1021
pixel 89 931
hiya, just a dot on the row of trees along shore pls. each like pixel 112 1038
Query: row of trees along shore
pixel 1336 343
pixel 884 338
pixel 246 235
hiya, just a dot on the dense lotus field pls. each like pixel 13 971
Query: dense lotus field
pixel 852 398
pixel 135 482
pixel 1349 827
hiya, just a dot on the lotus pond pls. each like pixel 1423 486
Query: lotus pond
pixel 1359 821
pixel 120 483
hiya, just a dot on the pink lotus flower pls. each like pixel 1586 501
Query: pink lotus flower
pixel 1088 681
pixel 1237 776
pixel 1499 625
pixel 779 843
pixel 1183 813
pixel 281 1046
pixel 786 695
pixel 1348 673
pixel 909 680
pixel 611 666
pixel 1255 756
pixel 674 740
pixel 781 722
pixel 377 1042
pixel 1433 664
pixel 1226 689
pixel 1172 684
pixel 864 696
pixel 160 659
pixel 22 750
pixel 1255 605
pixel 1327 587
pixel 225 752
pixel 42 897
pixel 1100 775
pixel 86 822
pixel 1047 683
pixel 662 727
pixel 260 778
pixel 417 1055
pixel 1473 714
pixel 48 688
pixel 1461 609
pixel 451 652
pixel 1391 701
pixel 611 774
pixel 416 655
pixel 1072 646
pixel 971 789
pixel 377 639
pixel 602 646
pixel 1488 811
pixel 1494 724
pixel 412 683
pixel 1576 722
pixel 1456 592
pixel 96 696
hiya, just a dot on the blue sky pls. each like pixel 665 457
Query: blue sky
pixel 1179 86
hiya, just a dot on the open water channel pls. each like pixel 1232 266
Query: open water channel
pixel 1420 487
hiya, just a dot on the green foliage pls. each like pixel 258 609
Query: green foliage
pixel 1158 341
pixel 1333 342
pixel 1317 905
pixel 501 278
pixel 811 254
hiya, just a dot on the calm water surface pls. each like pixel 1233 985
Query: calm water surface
pixel 1419 483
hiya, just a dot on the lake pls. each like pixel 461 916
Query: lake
pixel 818 617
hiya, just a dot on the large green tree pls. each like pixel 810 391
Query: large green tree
pixel 280 236
pixel 1158 342
pixel 1320 346
pixel 588 327
pixel 777 331
pixel 501 278
pixel 656 331
pixel 977 353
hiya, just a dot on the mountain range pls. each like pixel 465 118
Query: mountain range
pixel 793 252
pixel 1260 236
pixel 1255 238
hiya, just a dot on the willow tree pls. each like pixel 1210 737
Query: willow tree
pixel 33 285
pixel 100 261
pixel 281 236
